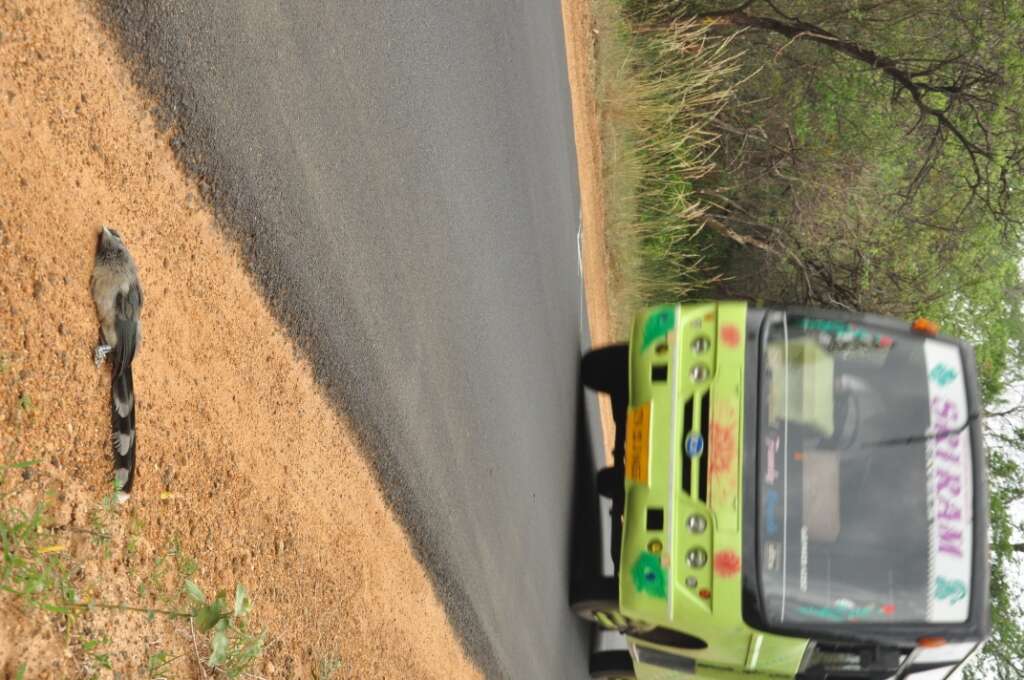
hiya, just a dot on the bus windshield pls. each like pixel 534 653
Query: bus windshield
pixel 864 476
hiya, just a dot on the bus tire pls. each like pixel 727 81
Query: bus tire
pixel 617 665
pixel 606 369
pixel 592 596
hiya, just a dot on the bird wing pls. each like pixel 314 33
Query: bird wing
pixel 126 323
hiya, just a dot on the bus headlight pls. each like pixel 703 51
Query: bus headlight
pixel 697 558
pixel 696 523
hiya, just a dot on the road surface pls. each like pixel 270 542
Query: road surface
pixel 402 177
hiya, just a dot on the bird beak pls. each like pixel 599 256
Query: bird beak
pixel 106 239
pixel 108 236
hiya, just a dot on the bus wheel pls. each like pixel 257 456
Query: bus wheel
pixel 597 600
pixel 615 665
pixel 606 369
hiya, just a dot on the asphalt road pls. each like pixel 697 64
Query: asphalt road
pixel 402 176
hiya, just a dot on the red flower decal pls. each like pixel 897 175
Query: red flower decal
pixel 727 563
pixel 730 335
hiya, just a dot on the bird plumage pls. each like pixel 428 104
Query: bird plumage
pixel 118 296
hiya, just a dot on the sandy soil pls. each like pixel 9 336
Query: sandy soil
pixel 580 41
pixel 240 456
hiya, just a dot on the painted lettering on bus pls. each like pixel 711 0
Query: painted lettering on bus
pixel 950 540
pixel 949 491
pixel 771 451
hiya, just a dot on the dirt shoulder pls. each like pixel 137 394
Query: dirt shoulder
pixel 580 43
pixel 580 34
pixel 243 465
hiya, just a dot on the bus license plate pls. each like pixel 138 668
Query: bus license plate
pixel 638 440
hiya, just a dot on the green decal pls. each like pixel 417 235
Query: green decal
pixel 946 589
pixel 649 576
pixel 658 324
pixel 826 325
pixel 844 336
pixel 842 610
pixel 942 375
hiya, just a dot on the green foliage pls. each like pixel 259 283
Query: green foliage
pixel 1003 655
pixel 158 664
pixel 93 649
pixel 233 648
pixel 326 667
pixel 661 91
pixel 37 571
pixel 32 569
pixel 881 182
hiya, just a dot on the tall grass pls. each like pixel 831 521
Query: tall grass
pixel 661 91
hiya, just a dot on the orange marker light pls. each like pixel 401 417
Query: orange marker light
pixel 705 593
pixel 925 326
pixel 931 642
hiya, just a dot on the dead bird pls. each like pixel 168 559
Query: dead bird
pixel 118 297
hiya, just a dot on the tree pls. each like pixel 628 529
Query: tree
pixel 874 153
pixel 964 82
pixel 1003 655
pixel 961 71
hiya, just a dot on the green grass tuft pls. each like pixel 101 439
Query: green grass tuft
pixel 37 570
pixel 326 667
pixel 659 94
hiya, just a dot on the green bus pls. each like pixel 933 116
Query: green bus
pixel 796 494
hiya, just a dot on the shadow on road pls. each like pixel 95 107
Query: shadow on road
pixel 594 533
pixel 587 547
pixel 585 540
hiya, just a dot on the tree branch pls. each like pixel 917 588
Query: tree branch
pixel 722 12
pixel 796 29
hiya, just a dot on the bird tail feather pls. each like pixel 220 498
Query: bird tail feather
pixel 122 420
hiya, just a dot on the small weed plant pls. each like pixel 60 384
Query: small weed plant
pixel 326 667
pixel 38 571
pixel 233 647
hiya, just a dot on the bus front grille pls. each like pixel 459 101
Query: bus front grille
pixel 696 423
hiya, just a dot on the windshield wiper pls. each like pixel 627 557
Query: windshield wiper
pixel 915 439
